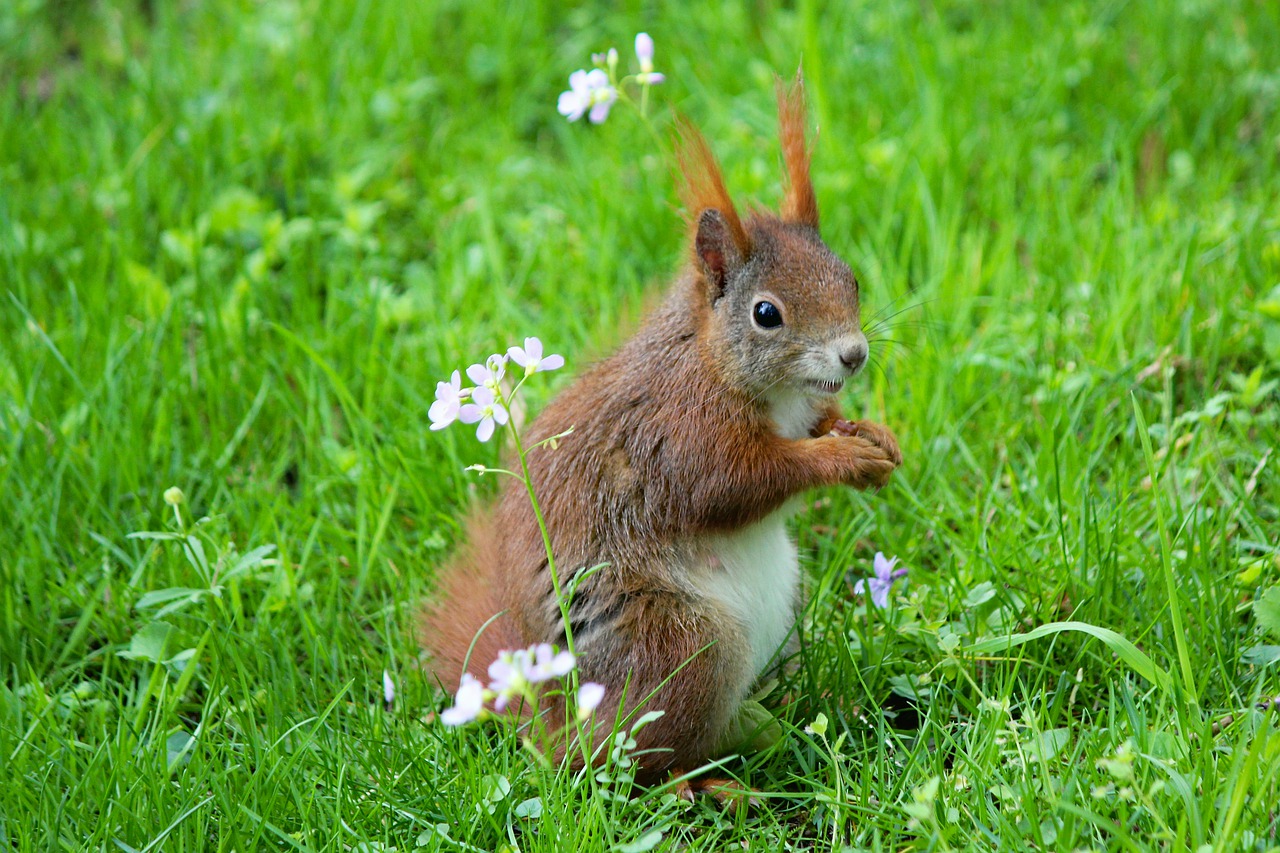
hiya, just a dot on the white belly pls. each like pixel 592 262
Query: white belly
pixel 753 574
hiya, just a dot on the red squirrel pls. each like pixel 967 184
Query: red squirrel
pixel 687 444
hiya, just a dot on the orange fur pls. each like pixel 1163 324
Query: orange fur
pixel 799 203
pixel 452 627
pixel 702 184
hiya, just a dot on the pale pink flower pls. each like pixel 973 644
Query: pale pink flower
pixel 882 581
pixel 590 695
pixel 547 664
pixel 530 357
pixel 489 374
pixel 507 676
pixel 607 60
pixel 449 397
pixel 644 53
pixel 468 702
pixel 484 410
pixel 588 91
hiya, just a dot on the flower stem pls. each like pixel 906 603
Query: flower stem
pixel 546 537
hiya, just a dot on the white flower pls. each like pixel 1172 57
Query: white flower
pixel 644 53
pixel 589 696
pixel 467 703
pixel 388 688
pixel 588 90
pixel 449 397
pixel 485 410
pixel 530 357
pixel 490 373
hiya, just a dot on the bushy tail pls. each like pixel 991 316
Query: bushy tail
pixel 463 627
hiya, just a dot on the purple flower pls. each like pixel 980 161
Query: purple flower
pixel 588 90
pixel 530 357
pixel 485 410
pixel 644 53
pixel 449 397
pixel 589 696
pixel 885 575
pixel 468 703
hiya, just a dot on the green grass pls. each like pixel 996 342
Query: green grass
pixel 240 241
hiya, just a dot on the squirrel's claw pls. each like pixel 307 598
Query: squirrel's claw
pixel 729 794
pixel 873 432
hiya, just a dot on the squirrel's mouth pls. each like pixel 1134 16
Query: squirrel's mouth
pixel 826 386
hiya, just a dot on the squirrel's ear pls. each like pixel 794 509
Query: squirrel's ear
pixel 720 243
pixel 717 252
pixel 799 203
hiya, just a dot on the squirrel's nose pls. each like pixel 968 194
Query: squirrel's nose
pixel 854 354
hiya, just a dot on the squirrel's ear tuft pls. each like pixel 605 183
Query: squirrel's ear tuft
pixel 702 187
pixel 798 203
pixel 716 251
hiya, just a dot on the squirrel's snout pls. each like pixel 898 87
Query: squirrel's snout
pixel 852 352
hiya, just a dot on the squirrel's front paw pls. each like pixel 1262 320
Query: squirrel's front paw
pixel 878 435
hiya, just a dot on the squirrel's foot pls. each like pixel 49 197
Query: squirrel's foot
pixel 731 795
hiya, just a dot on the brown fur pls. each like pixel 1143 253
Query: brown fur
pixel 676 441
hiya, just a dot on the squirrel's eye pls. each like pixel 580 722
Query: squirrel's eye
pixel 767 315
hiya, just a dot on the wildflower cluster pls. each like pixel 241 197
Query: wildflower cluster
pixel 485 404
pixel 592 93
pixel 515 677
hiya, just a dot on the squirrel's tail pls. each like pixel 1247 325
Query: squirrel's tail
pixel 463 627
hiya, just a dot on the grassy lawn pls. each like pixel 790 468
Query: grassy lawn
pixel 241 241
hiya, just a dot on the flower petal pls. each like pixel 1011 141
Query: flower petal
pixel 533 347
pixel 442 413
pixel 600 112
pixel 562 664
pixel 468 702
pixel 484 432
pixel 644 48
pixel 470 413
pixel 551 362
pixel 571 105
pixel 882 565
pixel 590 695
pixel 518 356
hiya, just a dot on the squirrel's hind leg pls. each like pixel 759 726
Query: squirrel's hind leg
pixel 464 623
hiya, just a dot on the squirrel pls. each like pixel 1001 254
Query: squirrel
pixel 687 444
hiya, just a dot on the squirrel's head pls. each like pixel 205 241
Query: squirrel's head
pixel 777 309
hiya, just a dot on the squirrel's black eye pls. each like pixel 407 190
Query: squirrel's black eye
pixel 767 315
